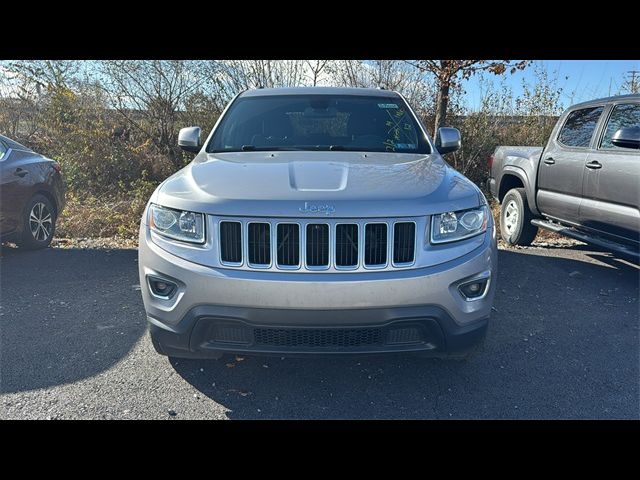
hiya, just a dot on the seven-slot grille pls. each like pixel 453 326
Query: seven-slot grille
pixel 317 246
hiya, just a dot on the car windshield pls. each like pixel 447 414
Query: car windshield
pixel 319 122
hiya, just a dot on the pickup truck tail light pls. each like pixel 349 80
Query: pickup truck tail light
pixel 490 161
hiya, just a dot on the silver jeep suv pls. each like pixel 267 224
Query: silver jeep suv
pixel 317 220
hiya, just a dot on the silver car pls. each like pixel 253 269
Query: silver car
pixel 317 220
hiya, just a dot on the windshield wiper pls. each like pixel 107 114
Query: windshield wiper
pixel 322 147
pixel 253 148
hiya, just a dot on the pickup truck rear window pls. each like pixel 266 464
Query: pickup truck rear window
pixel 623 116
pixel 579 127
pixel 319 122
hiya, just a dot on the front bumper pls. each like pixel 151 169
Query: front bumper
pixel 218 310
pixel 209 331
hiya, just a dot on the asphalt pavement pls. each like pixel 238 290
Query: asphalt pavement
pixel 563 343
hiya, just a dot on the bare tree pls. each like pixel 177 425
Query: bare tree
pixel 449 73
pixel 31 87
pixel 150 95
pixel 396 75
pixel 46 73
pixel 315 69
pixel 348 73
pixel 632 83
pixel 234 76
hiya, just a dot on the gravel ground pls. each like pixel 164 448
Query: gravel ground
pixel 563 343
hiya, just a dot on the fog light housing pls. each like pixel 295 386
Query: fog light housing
pixel 474 289
pixel 161 287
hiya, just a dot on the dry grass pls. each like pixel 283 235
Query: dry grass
pixel 94 218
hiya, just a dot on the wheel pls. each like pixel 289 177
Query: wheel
pixel 39 223
pixel 515 219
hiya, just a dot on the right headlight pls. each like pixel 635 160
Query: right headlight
pixel 177 224
pixel 452 226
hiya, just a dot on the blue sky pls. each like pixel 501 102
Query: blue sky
pixel 581 80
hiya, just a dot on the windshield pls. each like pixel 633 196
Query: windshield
pixel 319 122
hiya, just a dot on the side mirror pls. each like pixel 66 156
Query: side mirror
pixel 627 138
pixel 448 140
pixel 189 139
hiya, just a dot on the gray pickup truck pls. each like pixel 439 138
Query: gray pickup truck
pixel 585 183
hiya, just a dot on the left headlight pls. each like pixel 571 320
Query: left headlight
pixel 452 226
pixel 177 224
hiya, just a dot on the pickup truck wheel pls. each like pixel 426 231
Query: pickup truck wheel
pixel 515 219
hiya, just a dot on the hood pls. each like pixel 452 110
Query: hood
pixel 318 184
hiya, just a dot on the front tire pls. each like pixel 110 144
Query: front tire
pixel 39 223
pixel 515 219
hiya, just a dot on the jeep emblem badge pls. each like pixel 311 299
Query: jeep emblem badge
pixel 311 208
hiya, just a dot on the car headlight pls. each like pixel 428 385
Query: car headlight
pixel 177 224
pixel 452 226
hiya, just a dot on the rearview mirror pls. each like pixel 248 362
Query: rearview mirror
pixel 189 139
pixel 448 140
pixel 627 138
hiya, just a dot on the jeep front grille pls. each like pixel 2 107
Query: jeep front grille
pixel 231 242
pixel 375 244
pixel 317 244
pixel 288 245
pixel 404 235
pixel 346 245
pixel 259 244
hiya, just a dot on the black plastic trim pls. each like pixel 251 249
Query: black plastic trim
pixel 191 336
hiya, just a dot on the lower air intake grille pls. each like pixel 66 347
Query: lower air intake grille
pixel 259 243
pixel 404 335
pixel 308 337
pixel 231 242
pixel 375 244
pixel 404 235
